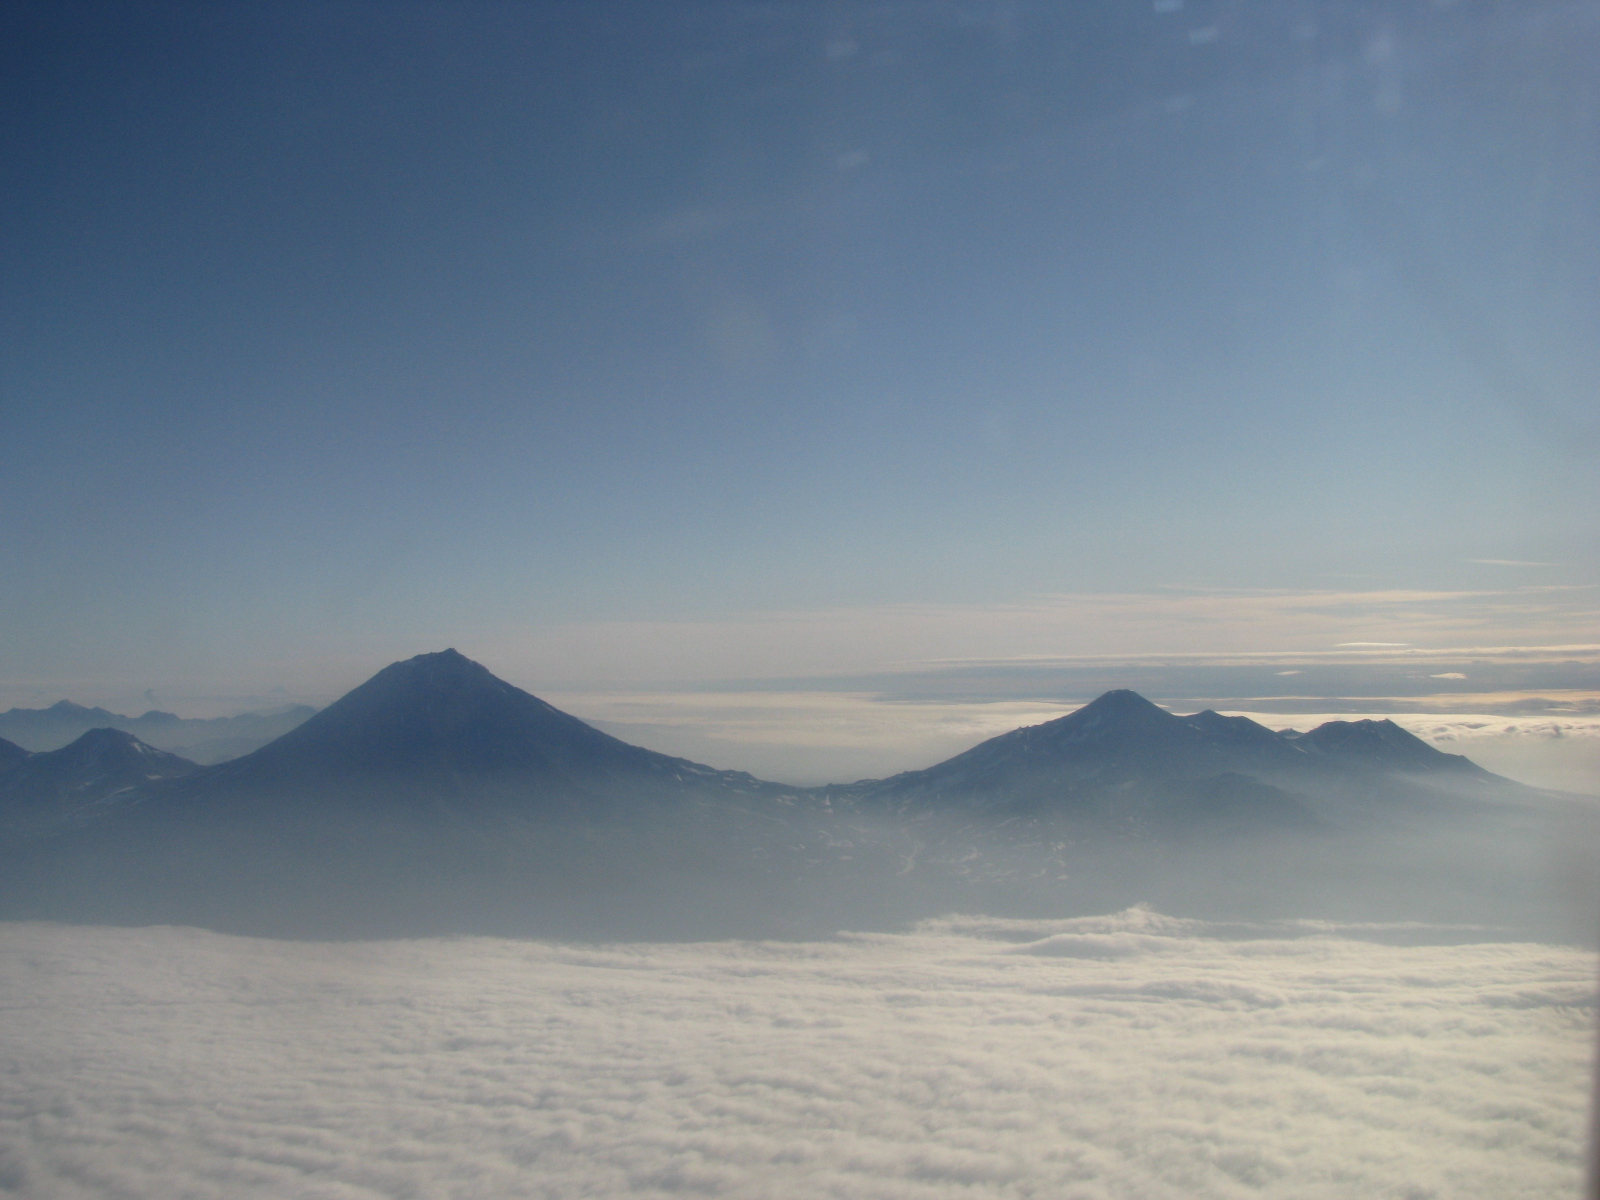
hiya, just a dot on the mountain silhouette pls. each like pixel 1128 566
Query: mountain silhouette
pixel 434 797
pixel 1122 753
pixel 437 798
pixel 443 723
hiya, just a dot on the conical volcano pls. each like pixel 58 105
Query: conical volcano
pixel 433 797
pixel 443 721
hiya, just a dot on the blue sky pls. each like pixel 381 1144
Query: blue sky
pixel 334 333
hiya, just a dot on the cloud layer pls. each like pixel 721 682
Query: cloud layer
pixel 1129 1056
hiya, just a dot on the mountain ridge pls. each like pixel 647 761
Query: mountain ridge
pixel 443 723
pixel 437 798
pixel 1121 740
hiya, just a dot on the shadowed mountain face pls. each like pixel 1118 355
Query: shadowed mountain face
pixel 443 724
pixel 1113 755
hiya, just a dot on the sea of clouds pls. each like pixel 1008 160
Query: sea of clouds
pixel 1126 1056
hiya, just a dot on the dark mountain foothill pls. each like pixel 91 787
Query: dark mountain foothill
pixel 71 786
pixel 437 798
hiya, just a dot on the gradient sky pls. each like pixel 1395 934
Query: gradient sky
pixel 333 333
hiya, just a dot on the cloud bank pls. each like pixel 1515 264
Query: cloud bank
pixel 1119 1057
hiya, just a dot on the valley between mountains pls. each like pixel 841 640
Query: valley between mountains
pixel 436 798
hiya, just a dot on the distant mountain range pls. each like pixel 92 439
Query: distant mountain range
pixel 205 740
pixel 1126 762
pixel 438 791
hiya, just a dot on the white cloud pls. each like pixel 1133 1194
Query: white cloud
pixel 1122 1057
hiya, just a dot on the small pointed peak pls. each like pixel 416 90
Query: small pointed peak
pixel 448 659
pixel 117 744
pixel 1115 713
pixel 1121 700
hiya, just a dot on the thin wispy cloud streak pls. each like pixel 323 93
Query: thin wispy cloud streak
pixel 1116 1058
pixel 1533 624
pixel 763 650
